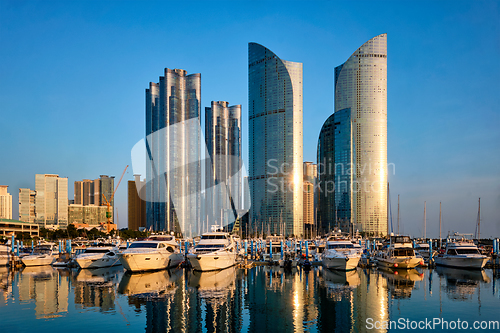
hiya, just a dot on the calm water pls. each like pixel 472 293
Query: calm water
pixel 261 299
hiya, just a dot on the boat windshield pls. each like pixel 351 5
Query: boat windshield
pixel 143 245
pixel 41 251
pixel 213 237
pixel 209 246
pixel 468 251
pixel 96 251
pixel 340 246
pixel 404 252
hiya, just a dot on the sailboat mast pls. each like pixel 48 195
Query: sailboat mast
pixel 398 214
pixel 439 224
pixel 425 220
pixel 479 221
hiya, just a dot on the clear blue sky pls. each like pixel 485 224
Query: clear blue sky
pixel 73 75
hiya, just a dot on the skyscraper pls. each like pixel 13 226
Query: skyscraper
pixel 51 201
pixel 223 140
pixel 174 167
pixel 27 205
pixel 136 206
pixel 352 146
pixel 309 215
pixel 5 203
pixel 275 142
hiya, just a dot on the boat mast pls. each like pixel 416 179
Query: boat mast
pixel 398 214
pixel 479 221
pixel 425 220
pixel 439 224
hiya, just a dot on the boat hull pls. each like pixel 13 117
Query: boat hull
pixel 35 260
pixel 139 262
pixel 338 263
pixel 403 263
pixel 211 261
pixel 94 262
pixel 466 263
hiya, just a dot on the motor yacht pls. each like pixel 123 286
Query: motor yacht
pixel 98 257
pixel 215 250
pixel 154 253
pixel 4 255
pixel 398 254
pixel 461 254
pixel 42 254
pixel 273 243
pixel 340 254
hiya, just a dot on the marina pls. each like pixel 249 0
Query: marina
pixel 263 298
pixel 305 285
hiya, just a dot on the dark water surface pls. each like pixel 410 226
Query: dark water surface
pixel 260 299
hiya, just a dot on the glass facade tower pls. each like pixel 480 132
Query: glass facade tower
pixel 173 174
pixel 352 147
pixel 223 139
pixel 275 142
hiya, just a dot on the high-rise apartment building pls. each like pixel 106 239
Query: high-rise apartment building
pixel 309 205
pixel 173 171
pixel 136 206
pixel 85 192
pixel 352 147
pixel 223 140
pixel 5 203
pixel 51 201
pixel 275 142
pixel 27 205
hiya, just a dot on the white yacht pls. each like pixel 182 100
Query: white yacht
pixel 398 254
pixel 4 255
pixel 42 254
pixel 98 257
pixel 461 254
pixel 154 253
pixel 273 243
pixel 215 250
pixel 340 254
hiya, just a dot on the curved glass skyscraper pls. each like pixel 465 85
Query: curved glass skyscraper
pixel 355 157
pixel 275 142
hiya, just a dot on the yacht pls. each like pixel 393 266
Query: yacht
pixel 273 243
pixel 340 254
pixel 4 255
pixel 461 254
pixel 398 254
pixel 42 254
pixel 154 253
pixel 215 250
pixel 98 257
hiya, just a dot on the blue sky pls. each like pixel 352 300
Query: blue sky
pixel 73 75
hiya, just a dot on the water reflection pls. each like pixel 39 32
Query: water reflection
pixel 260 299
pixel 401 282
pixel 150 285
pixel 42 285
pixel 95 288
pixel 462 284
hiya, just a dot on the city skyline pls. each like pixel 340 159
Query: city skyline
pixel 442 112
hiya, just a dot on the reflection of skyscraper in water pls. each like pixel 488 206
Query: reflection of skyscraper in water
pixel 49 292
pixel 193 310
